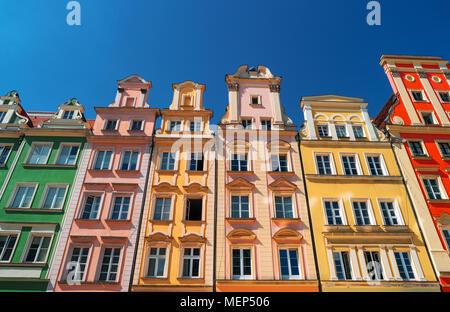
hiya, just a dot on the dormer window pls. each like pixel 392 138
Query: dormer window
pixel 196 126
pixel 68 115
pixel 323 130
pixel 247 124
pixel 358 131
pixel 428 118
pixel 341 131
pixel 175 125
pixel 2 116
pixel 111 125
pixel 255 100
pixel 187 100
pixel 136 125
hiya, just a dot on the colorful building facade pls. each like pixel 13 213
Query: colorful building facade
pixel 263 238
pixel 35 192
pixel 99 234
pixel 417 120
pixel 365 231
pixel 176 243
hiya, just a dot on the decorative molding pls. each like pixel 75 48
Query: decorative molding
pixel 274 88
pixel 447 75
pixel 422 74
pixel 395 73
pixel 233 86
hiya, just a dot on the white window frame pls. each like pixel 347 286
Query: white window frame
pixel 247 119
pixel 252 262
pixel 103 149
pixel 10 233
pixel 122 155
pixel 45 194
pixel 439 95
pixel 437 141
pixel 397 210
pixel 193 121
pixel 172 203
pixel 288 161
pixel 332 164
pixel 442 189
pixel 372 220
pixel 412 262
pixel 147 258
pixel 9 153
pixel 357 162
pixel 424 96
pixel 200 258
pixel 61 146
pixel 424 149
pixel 111 205
pixel 249 162
pixel 194 196
pixel 68 111
pixel 250 202
pixel 188 161
pixel 341 210
pixel 293 201
pixel 433 116
pixel 74 245
pixel 291 277
pixel 328 130
pixel 362 128
pixel 442 229
pixel 31 150
pixel 136 120
pixel 16 188
pixel 382 163
pixel 352 265
pixel 30 240
pixel 119 264
pixel 176 159
pixel 169 124
pixel 111 119
pixel 255 96
pixel 347 135
pixel 86 194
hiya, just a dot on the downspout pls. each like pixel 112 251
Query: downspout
pixel 133 264
pixel 297 137
pixel 215 219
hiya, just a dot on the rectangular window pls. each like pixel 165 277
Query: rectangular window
pixel 361 213
pixel 110 265
pixel 445 149
pixel 404 266
pixel 266 125
pixel 23 196
pixel 162 209
pixel 333 213
pixel 136 125
pixel 373 264
pixel 323 130
pixel 68 115
pixel 358 131
pixel 255 100
pixel 389 214
pixel 130 160
pixel 195 126
pixel 37 252
pixel 247 124
pixel 341 131
pixel 156 262
pixel 418 96
pixel 289 264
pixel 242 263
pixel 68 155
pixel 239 162
pixel 349 164
pixel 7 243
pixel 240 207
pixel 91 207
pixel 343 265
pixel 121 208
pixel 432 188
pixel 111 125
pixel 445 97
pixel 39 154
pixel 194 209
pixel 283 207
pixel 191 262
pixel 55 197
pixel 175 126
pixel 427 118
pixel 103 160
pixel 4 152
pixel 416 148
pixel 196 163
pixel 77 266
pixel 446 237
pixel 168 161
pixel 279 163
pixel 323 164
pixel 375 165
pixel 2 116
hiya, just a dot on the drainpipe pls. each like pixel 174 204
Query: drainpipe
pixel 133 264
pixel 215 218
pixel 297 137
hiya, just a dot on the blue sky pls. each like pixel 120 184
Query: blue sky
pixel 317 47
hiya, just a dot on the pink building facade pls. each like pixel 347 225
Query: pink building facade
pixel 96 248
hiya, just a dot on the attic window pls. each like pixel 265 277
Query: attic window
pixel 187 101
pixel 255 100
pixel 129 102
pixel 194 209
pixel 68 115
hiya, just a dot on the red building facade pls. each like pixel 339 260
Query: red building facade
pixel 417 118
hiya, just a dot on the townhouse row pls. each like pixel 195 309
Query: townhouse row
pixel 348 203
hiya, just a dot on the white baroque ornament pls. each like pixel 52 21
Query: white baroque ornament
pixel 398 120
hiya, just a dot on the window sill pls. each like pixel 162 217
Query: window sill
pixel 199 172
pixel 184 278
pixel 33 210
pixel 286 221
pixel 155 278
pixel 22 264
pixel 353 178
pixel 97 171
pixel 395 228
pixel 48 166
pixel 170 172
pixel 446 158
pixel 422 157
pixel 282 173
pixel 368 228
pixel 193 222
pixel 87 220
pixel 337 228
pixel 241 220
pixel 438 201
pixel 162 222
pixel 2 166
pixel 240 172
pixel 118 220
pixel 127 171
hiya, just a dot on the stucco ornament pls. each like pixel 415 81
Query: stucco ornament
pixel 73 101
pixel 12 93
pixel 398 120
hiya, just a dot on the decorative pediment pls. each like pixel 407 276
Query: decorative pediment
pixel 165 187
pixel 72 102
pixel 240 184
pixel 192 238
pixel 241 235
pixel 443 219
pixel 278 145
pixel 238 146
pixel 282 185
pixel 195 187
pixel 333 98
pixel 287 235
pixel 133 79
pixel 159 237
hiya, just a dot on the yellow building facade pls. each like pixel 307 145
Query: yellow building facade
pixel 175 250
pixel 365 232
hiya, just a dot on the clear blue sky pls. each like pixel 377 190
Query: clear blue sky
pixel 318 47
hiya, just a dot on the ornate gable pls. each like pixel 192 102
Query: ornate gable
pixel 240 184
pixel 282 185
